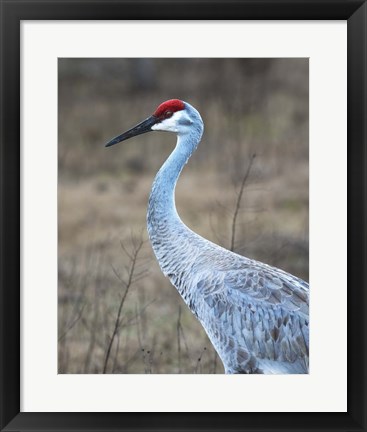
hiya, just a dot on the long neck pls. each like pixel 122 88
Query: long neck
pixel 162 209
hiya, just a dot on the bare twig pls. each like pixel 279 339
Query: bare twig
pixel 116 353
pixel 72 323
pixel 215 361
pixel 127 284
pixel 198 362
pixel 141 346
pixel 150 357
pixel 95 318
pixel 217 237
pixel 97 341
pixel 131 321
pixel 125 250
pixel 185 341
pixel 238 202
pixel 178 327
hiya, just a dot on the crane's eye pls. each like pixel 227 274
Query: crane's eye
pixel 168 114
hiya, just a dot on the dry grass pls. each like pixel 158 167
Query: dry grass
pixel 103 196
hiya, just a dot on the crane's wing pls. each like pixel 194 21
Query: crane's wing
pixel 261 310
pixel 252 281
pixel 268 286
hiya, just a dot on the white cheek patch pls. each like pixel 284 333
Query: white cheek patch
pixel 169 124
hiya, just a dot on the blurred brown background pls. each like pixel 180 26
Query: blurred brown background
pixel 117 313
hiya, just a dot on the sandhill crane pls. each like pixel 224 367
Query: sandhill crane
pixel 255 315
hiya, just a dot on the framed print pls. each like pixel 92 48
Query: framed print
pixel 162 334
pixel 94 336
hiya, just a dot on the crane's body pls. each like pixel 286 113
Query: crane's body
pixel 255 315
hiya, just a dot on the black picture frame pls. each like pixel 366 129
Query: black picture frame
pixel 12 12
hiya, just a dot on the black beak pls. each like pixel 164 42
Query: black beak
pixel 143 127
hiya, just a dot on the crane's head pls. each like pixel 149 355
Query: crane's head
pixel 173 115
